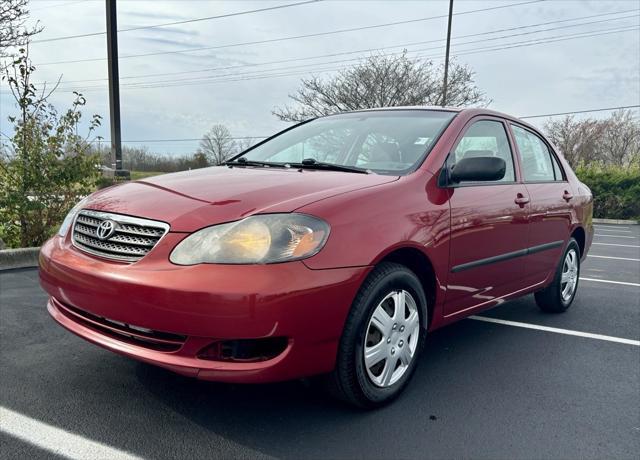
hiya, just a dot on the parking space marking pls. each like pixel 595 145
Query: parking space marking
pixel 56 440
pixel 600 229
pixel 626 283
pixel 616 236
pixel 622 245
pixel 557 330
pixel 609 227
pixel 609 257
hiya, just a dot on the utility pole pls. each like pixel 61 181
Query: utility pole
pixel 114 87
pixel 446 58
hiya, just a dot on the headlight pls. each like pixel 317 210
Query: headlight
pixel 68 220
pixel 260 239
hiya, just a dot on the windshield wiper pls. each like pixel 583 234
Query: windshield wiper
pixel 312 163
pixel 244 162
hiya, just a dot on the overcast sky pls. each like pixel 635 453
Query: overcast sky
pixel 572 71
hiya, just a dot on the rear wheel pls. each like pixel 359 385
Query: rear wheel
pixel 558 296
pixel 382 338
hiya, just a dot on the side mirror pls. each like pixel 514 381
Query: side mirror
pixel 478 169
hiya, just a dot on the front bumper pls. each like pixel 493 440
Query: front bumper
pixel 204 304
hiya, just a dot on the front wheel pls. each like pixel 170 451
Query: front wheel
pixel 382 338
pixel 558 296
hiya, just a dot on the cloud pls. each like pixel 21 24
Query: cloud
pixel 179 44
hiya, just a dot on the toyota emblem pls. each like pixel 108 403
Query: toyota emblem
pixel 106 229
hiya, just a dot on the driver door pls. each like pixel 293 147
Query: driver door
pixel 489 224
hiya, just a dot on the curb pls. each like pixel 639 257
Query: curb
pixel 616 221
pixel 19 258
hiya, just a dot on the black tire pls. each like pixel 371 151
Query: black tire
pixel 351 381
pixel 551 298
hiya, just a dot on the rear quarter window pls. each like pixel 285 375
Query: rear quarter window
pixel 537 161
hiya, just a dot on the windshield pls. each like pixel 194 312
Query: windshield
pixel 385 142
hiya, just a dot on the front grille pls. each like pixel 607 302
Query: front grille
pixel 135 335
pixel 126 239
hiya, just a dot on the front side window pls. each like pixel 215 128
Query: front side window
pixel 385 142
pixel 485 138
pixel 537 161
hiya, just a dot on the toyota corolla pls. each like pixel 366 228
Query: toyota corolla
pixel 332 248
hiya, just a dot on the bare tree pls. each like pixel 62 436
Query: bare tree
pixel 244 144
pixel 577 140
pixel 217 144
pixel 13 32
pixel 620 140
pixel 615 140
pixel 382 81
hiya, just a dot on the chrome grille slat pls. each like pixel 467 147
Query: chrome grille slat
pixel 107 246
pixel 132 239
pixel 88 221
pixel 137 240
pixel 142 232
pixel 89 231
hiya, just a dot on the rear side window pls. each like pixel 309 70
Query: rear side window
pixel 485 138
pixel 538 163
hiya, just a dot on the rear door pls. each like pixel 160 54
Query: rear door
pixel 489 223
pixel 551 196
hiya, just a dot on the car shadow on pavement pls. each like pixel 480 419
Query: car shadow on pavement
pixel 297 418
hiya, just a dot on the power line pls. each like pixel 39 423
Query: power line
pixel 607 109
pixel 282 61
pixel 540 40
pixel 208 18
pixel 546 40
pixel 295 37
pixel 188 21
pixel 329 69
pixel 251 75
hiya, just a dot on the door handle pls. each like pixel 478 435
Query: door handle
pixel 567 195
pixel 521 200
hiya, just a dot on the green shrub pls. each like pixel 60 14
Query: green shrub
pixel 616 190
pixel 47 166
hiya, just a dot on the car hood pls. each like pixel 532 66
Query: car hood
pixel 194 199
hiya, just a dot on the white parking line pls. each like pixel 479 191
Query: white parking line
pixel 556 330
pixel 625 283
pixel 609 257
pixel 609 226
pixel 56 440
pixel 622 245
pixel 602 229
pixel 617 236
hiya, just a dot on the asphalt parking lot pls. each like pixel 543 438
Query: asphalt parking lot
pixel 482 390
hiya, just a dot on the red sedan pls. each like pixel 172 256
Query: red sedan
pixel 333 248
